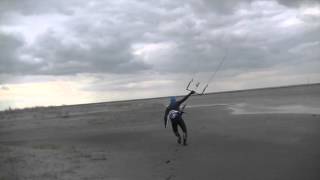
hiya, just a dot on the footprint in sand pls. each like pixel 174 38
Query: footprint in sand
pixel 170 177
pixel 170 163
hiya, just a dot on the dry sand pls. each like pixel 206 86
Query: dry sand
pixel 257 134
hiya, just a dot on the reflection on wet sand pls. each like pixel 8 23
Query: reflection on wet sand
pixel 244 108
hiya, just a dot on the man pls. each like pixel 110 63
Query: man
pixel 175 115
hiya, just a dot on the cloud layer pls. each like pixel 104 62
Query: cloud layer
pixel 161 36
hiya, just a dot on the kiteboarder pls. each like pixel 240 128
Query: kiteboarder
pixel 174 113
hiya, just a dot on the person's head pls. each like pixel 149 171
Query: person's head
pixel 173 100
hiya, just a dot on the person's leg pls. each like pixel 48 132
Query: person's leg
pixel 183 126
pixel 175 131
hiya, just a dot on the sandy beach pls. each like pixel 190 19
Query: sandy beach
pixel 259 134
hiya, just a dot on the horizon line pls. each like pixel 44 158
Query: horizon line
pixel 129 100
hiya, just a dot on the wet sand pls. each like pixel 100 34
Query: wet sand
pixel 256 134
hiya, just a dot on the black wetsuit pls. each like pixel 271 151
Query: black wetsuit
pixel 177 121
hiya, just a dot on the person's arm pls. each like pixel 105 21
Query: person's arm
pixel 185 98
pixel 165 118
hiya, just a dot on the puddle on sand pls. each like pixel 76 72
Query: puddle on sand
pixel 243 108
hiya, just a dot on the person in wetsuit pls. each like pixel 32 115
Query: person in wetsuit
pixel 175 115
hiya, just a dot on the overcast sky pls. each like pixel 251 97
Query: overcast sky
pixel 57 52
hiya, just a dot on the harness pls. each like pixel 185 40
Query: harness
pixel 175 115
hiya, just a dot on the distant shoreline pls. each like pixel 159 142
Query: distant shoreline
pixel 210 93
pixel 155 98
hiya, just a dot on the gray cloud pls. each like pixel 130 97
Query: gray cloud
pixel 216 6
pixel 31 7
pixel 10 46
pixel 296 3
pixel 99 37
pixel 87 56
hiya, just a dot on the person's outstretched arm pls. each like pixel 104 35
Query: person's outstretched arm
pixel 165 118
pixel 185 98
